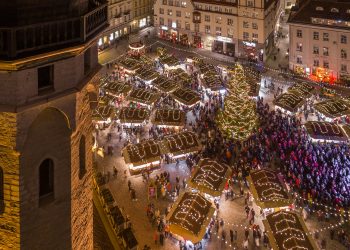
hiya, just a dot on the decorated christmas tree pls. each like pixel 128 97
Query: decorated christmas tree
pixel 239 118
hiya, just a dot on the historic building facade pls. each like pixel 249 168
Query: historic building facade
pixel 48 66
pixel 243 28
pixel 319 40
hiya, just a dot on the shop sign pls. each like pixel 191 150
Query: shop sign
pixel 249 44
pixel 224 39
pixel 164 28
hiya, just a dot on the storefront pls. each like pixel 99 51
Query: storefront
pixel 110 37
pixel 197 41
pixel 250 50
pixel 184 39
pixel 223 45
pixel 218 46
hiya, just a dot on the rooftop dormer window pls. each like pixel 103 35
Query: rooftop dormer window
pixel 334 10
pixel 348 11
pixel 319 8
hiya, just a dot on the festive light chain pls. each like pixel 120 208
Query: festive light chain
pixel 331 107
pixel 323 128
pixel 190 140
pixel 135 149
pixel 186 95
pixel 168 115
pixel 210 173
pixel 274 191
pixel 129 113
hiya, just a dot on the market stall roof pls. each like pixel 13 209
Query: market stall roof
pixel 205 68
pixel 133 115
pixel 287 230
pixel 169 117
pixel 117 88
pixel 103 112
pixel 212 81
pixel 105 100
pixel 333 108
pixel 210 177
pixel 147 73
pixel 128 238
pixel 325 131
pixel 181 143
pixel 290 101
pixel 147 97
pixel 268 189
pixel 129 63
pixel 190 216
pixel 142 153
pixel 303 89
pixel 180 75
pixel 165 84
pixel 169 60
pixel 186 96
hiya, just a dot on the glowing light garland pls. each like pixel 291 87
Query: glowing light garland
pixel 332 108
pixel 186 96
pixel 239 119
pixel 133 114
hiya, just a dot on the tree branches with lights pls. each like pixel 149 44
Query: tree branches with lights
pixel 239 118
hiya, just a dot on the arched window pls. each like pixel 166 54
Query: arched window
pixel 319 8
pixel 334 10
pixel 82 157
pixel 46 178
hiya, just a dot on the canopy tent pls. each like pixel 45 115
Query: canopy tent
pixel 268 189
pixel 169 117
pixel 210 177
pixel 103 112
pixel 181 143
pixel 133 115
pixel 146 97
pixel 190 216
pixel 164 84
pixel 290 101
pixel 287 230
pixel 326 131
pixel 332 109
pixel 117 88
pixel 186 96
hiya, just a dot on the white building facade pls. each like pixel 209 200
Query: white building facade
pixel 319 41
pixel 234 27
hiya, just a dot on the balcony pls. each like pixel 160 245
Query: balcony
pixel 22 41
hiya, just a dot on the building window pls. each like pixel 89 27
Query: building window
pixel 183 4
pixel 299 60
pixel 325 37
pixel 316 50
pixel 187 14
pixel 316 35
pixel 178 13
pixel 187 26
pixel 250 3
pixel 245 36
pixel 343 39
pixel 207 29
pixel 207 18
pixel 218 20
pixel 161 21
pixel 170 12
pixel 255 36
pixel 45 77
pixel 196 27
pixel 245 24
pixel 316 63
pixel 229 22
pixel 161 11
pixel 178 24
pixel 325 51
pixel 344 68
pixel 326 65
pixel 319 8
pixel 255 26
pixel 299 47
pixel 170 2
pixel 164 2
pixel 335 10
pixel 299 33
pixel 170 22
pixel 82 157
pixel 46 179
pixel 230 33
pixel 343 54
pixel 177 3
pixel 218 31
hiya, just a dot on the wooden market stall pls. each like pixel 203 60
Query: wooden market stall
pixel 130 65
pixel 165 84
pixel 326 131
pixel 143 96
pixel 180 76
pixel 186 97
pixel 332 109
pixel 178 145
pixel 133 116
pixel 289 102
pixel 190 216
pixel 143 155
pixel 103 113
pixel 302 88
pixel 212 82
pixel 210 177
pixel 268 189
pixel 287 230
pixel 146 74
pixel 169 61
pixel 117 89
pixel 173 118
